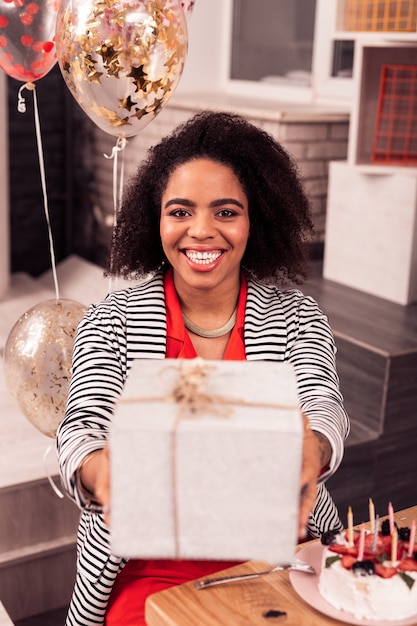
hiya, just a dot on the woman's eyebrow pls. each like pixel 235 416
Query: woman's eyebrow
pixel 182 201
pixel 215 203
pixel 222 201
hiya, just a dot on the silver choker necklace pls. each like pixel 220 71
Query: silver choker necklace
pixel 210 334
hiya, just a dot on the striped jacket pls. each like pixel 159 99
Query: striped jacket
pixel 131 324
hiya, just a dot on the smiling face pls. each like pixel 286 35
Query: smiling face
pixel 204 225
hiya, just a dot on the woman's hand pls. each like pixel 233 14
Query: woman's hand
pixel 316 455
pixel 94 475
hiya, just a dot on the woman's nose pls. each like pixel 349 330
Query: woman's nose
pixel 202 227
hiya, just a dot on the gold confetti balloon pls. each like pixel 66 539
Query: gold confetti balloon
pixel 37 361
pixel 121 59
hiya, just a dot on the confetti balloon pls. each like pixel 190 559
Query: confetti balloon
pixel 37 361
pixel 121 59
pixel 27 38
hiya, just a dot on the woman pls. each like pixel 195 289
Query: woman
pixel 214 220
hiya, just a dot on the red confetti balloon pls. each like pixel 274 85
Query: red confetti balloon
pixel 27 38
pixel 188 6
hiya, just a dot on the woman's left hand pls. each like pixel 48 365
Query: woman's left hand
pixel 310 471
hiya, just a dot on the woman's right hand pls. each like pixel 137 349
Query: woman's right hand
pixel 94 475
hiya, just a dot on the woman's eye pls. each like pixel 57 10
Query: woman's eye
pixel 179 213
pixel 226 213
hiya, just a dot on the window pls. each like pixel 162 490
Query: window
pixel 272 41
pixel 270 49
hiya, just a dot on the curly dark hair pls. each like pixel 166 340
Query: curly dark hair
pixel 279 211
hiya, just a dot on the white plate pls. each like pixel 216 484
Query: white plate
pixel 307 588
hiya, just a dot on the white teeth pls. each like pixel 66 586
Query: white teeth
pixel 202 258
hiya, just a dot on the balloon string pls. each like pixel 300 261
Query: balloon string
pixel 117 189
pixel 49 477
pixel 21 106
pixel 21 102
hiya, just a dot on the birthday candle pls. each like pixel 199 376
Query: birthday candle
pixel 391 518
pixel 361 543
pixel 394 545
pixel 412 538
pixel 350 526
pixel 375 537
pixel 371 516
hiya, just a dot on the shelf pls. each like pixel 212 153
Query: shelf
pixel 376 36
pixel 370 57
pixel 381 170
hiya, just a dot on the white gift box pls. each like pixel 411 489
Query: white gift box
pixel 219 483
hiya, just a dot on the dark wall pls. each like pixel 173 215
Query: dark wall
pixel 66 138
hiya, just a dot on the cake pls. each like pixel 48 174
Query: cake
pixel 377 587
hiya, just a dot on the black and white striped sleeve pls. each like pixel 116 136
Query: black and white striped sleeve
pixel 98 374
pixel 312 351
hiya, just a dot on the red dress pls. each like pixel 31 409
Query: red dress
pixel 141 578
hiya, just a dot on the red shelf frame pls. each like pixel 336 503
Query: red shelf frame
pixel 395 138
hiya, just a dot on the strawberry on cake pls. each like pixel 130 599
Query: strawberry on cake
pixel 374 577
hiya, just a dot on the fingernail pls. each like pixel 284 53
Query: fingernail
pixel 303 532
